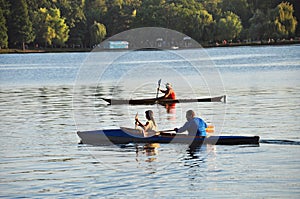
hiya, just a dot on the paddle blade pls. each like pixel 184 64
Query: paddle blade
pixel 210 129
pixel 135 120
pixel 159 81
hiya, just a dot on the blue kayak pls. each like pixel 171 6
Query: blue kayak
pixel 121 136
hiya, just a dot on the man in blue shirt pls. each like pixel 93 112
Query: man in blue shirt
pixel 194 125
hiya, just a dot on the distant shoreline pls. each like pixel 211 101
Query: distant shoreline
pixel 257 43
pixel 62 50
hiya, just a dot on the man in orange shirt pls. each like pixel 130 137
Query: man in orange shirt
pixel 169 93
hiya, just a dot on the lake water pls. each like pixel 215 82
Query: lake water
pixel 46 98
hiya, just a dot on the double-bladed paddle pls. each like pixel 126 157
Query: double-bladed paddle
pixel 159 81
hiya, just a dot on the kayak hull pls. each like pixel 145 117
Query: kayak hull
pixel 118 136
pixel 163 101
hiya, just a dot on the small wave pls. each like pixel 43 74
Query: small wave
pixel 282 142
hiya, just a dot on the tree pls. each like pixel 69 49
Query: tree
pixel 3 31
pixel 186 16
pixel 240 8
pixel 119 15
pixel 4 12
pixel 212 7
pixel 229 27
pixel 53 30
pixel 73 11
pixel 205 25
pixel 35 5
pixel 276 23
pixel 19 26
pixel 296 5
pixel 128 13
pixel 150 13
pixel 196 23
pixel 285 22
pixel 97 33
pixel 60 27
pixel 93 11
pixel 264 5
pixel 259 24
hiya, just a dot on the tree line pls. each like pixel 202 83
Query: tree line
pixel 85 23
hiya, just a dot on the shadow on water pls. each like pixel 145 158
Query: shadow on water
pixel 196 153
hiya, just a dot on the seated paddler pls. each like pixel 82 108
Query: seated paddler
pixel 195 126
pixel 169 93
pixel 150 127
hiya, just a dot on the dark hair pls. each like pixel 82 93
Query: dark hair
pixel 149 116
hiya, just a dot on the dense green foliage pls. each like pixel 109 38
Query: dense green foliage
pixel 98 32
pixel 229 27
pixel 19 25
pixel 3 31
pixel 285 22
pixel 85 23
pixel 51 28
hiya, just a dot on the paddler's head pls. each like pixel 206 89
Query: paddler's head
pixel 190 114
pixel 168 85
pixel 149 114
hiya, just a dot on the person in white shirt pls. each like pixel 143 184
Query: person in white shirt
pixel 150 124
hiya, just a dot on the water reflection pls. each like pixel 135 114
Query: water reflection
pixel 171 108
pixel 148 150
pixel 171 111
pixel 195 156
pixel 199 163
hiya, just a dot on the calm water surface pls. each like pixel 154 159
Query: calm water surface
pixel 40 155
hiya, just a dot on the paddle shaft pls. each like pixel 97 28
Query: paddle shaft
pixel 209 129
pixel 169 130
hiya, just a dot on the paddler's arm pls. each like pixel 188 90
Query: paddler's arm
pixel 168 93
pixel 139 123
pixel 146 126
pixel 183 128
pixel 163 91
